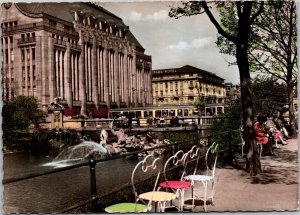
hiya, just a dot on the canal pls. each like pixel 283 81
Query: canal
pixel 55 192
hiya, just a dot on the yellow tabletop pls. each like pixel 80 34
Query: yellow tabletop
pixel 157 196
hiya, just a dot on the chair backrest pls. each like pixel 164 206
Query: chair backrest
pixel 209 150
pixel 193 156
pixel 175 161
pixel 149 163
pixel 195 153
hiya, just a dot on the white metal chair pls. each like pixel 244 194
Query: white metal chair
pixel 160 198
pixel 209 177
pixel 176 162
pixel 145 166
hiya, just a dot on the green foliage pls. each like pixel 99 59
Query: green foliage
pixel 269 96
pixel 17 116
pixel 20 113
pixel 230 120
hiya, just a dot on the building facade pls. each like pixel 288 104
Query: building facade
pixel 77 51
pixel 186 85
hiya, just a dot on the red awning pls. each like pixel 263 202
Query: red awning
pixel 95 113
pixel 69 112
pixel 103 112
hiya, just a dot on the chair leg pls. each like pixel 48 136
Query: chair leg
pixel 193 198
pixel 242 150
pixel 212 192
pixel 205 192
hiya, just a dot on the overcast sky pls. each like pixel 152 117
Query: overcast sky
pixel 173 42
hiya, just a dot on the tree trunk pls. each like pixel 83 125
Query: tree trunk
pixel 292 131
pixel 252 159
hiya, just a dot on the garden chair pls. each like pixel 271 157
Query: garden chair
pixel 148 164
pixel 174 163
pixel 205 179
pixel 132 207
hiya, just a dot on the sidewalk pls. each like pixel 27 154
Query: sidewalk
pixel 274 190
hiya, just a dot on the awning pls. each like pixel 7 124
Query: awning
pixel 103 112
pixel 95 113
pixel 69 112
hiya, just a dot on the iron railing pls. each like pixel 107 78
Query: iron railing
pixel 92 163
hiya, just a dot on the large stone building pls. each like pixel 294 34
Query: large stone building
pixel 186 85
pixel 78 51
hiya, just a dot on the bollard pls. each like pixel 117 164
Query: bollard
pixel 93 183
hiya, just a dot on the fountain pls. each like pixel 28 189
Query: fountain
pixel 78 153
pixel 112 142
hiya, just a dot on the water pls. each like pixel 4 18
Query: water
pixel 55 192
pixel 76 154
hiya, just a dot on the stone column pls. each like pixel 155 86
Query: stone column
pixel 135 77
pixel 26 73
pixel 17 67
pixel 51 60
pixel 95 88
pixel 117 78
pixel 8 72
pixel 106 77
pixel 31 72
pixel 68 75
pixel 82 90
pixel 126 75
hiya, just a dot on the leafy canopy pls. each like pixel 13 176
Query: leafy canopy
pixel 20 113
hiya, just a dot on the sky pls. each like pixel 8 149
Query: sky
pixel 174 43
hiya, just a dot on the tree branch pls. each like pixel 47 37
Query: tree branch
pixel 216 24
pixel 260 10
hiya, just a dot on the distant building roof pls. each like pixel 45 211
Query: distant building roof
pixel 184 69
pixel 63 11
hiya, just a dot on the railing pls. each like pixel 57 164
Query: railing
pixel 92 163
pixel 26 40
pixel 59 42
pixel 75 46
pixel 43 25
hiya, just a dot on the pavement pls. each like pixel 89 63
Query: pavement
pixel 276 189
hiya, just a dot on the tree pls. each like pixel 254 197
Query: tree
pixel 269 96
pixel 274 50
pixel 240 15
pixel 21 113
pixel 273 47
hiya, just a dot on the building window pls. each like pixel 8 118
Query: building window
pixel 12 57
pixel 28 73
pixel 23 55
pixel 166 85
pixel 28 54
pixel 33 53
pixel 6 56
pixel 23 73
pixel 161 93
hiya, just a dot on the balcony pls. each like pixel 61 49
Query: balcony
pixel 176 97
pixel 191 86
pixel 75 46
pixel 161 98
pixel 26 41
pixel 59 42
